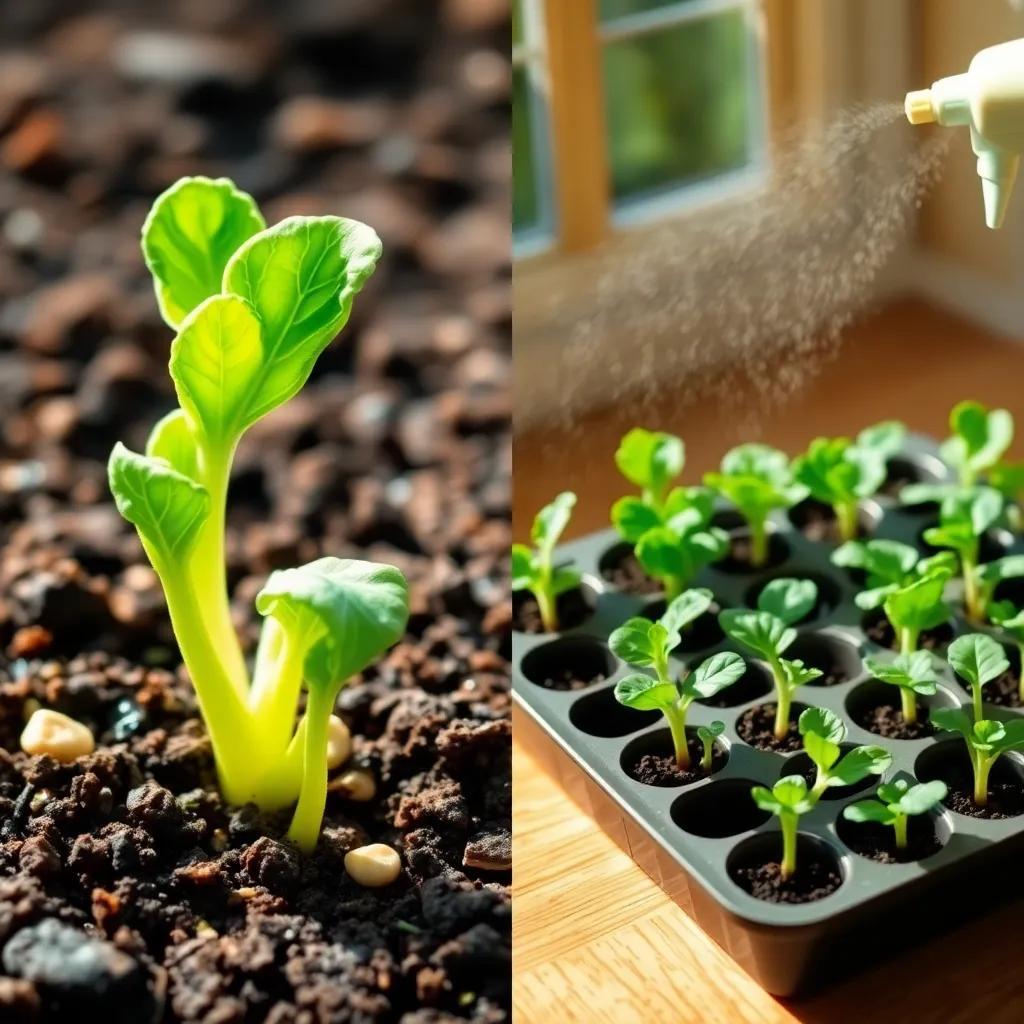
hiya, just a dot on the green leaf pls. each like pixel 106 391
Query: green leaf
pixel 192 231
pixel 884 561
pixel 523 573
pixel 980 438
pixel 791 792
pixel 639 641
pixel 925 494
pixel 953 720
pixel 300 278
pixel 166 507
pixel 822 723
pixel 714 674
pixel 348 610
pixel 921 798
pixel 550 522
pixel 914 671
pixel 564 578
pixel 869 810
pixel 645 693
pixel 698 499
pixel 977 658
pixel 885 438
pixel 633 517
pixel 764 633
pixel 173 441
pixel 650 459
pixel 788 599
pixel 919 605
pixel 821 751
pixel 686 608
pixel 1008 617
pixel 215 360
pixel 987 736
pixel 1008 479
pixel 1006 568
pixel 892 792
pixel 858 764
pixel 711 731
pixel 1012 737
pixel 796 673
pixel 756 478
pixel 835 471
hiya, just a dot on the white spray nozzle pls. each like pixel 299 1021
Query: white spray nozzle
pixel 989 98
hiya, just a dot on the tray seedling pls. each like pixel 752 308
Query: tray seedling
pixel 986 740
pixel 1008 479
pixel 768 633
pixel 1011 620
pixel 253 308
pixel 977 659
pixel 966 515
pixel 789 800
pixel 887 565
pixel 757 479
pixel 912 674
pixel 707 734
pixel 534 570
pixel 918 606
pixel 895 802
pixel 885 439
pixel 840 473
pixel 980 437
pixel 823 732
pixel 645 644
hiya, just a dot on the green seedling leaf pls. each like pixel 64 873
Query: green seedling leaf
pixel 991 574
pixel 790 794
pixel 980 438
pixel 858 764
pixel 633 517
pixel 686 608
pixel 166 507
pixel 953 720
pixel 763 633
pixel 191 233
pixel 914 672
pixel 822 723
pixel 788 599
pixel 698 499
pixel 640 642
pixel 914 800
pixel 710 732
pixel 650 459
pixel 885 438
pixel 977 658
pixel 1010 618
pixel 533 569
pixel 835 471
pixel 645 693
pixel 919 605
pixel 349 611
pixel 172 440
pixel 675 557
pixel 926 493
pixel 869 810
pixel 1008 479
pixel 796 673
pixel 756 478
pixel 884 561
pixel 550 522
pixel 300 278
pixel 714 675
pixel 564 578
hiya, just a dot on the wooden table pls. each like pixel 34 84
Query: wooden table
pixel 595 940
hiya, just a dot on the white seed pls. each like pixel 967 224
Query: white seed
pixel 374 865
pixel 50 732
pixel 355 784
pixel 339 743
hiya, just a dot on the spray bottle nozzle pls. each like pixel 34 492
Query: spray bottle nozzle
pixel 989 98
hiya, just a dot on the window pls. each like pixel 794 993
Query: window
pixel 652 104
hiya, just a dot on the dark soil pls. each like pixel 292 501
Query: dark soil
pixel 817 522
pixel 899 473
pixel 662 770
pixel 738 560
pixel 756 726
pixel 128 891
pixel 1005 797
pixel 620 569
pixel 878 630
pixel 878 842
pixel 886 720
pixel 816 876
pixel 572 607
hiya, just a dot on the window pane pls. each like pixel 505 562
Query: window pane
pixel 677 104
pixel 610 9
pixel 525 212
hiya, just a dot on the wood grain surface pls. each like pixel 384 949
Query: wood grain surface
pixel 595 940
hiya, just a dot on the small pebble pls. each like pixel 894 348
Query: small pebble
pixel 355 784
pixel 373 866
pixel 339 743
pixel 50 732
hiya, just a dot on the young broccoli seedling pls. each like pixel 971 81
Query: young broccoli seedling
pixel 645 644
pixel 1011 619
pixel 534 570
pixel 788 800
pixel 253 308
pixel 757 479
pixel 840 473
pixel 823 731
pixel 888 565
pixel 965 516
pixel 768 633
pixel 980 438
pixel 913 674
pixel 977 659
pixel 884 439
pixel 895 802
pixel 674 553
pixel 986 741
pixel 917 606
pixel 707 734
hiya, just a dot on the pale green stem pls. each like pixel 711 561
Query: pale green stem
pixel 900 828
pixel 908 702
pixel 820 784
pixel 783 698
pixel 673 587
pixel 976 702
pixel 788 822
pixel 547 605
pixel 309 814
pixel 276 687
pixel 280 786
pixel 982 766
pixel 908 640
pixel 709 753
pixel 677 725
pixel 973 603
pixel 846 514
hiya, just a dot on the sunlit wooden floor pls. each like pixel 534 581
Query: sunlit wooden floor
pixel 595 940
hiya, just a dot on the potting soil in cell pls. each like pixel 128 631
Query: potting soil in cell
pixel 756 288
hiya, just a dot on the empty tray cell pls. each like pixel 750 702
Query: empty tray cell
pixel 838 659
pixel 569 663
pixel 600 714
pixel 724 807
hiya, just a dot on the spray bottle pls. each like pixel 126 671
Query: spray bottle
pixel 989 97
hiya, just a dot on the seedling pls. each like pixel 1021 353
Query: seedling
pixel 674 553
pixel 966 516
pixel 986 741
pixel 839 473
pixel 977 659
pixel 707 734
pixel 1011 620
pixel 534 570
pixel 917 607
pixel 788 800
pixel 1008 479
pixel 913 674
pixel 768 633
pixel 980 438
pixel 823 731
pixel 757 479
pixel 645 644
pixel 884 439
pixel 253 308
pixel 895 802
pixel 888 566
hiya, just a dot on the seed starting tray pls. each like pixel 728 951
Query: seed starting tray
pixel 687 836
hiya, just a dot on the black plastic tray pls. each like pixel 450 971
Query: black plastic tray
pixel 581 737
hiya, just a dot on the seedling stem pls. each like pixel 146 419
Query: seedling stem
pixel 788 823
